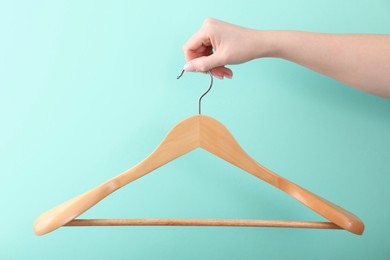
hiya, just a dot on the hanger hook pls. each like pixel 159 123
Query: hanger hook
pixel 207 91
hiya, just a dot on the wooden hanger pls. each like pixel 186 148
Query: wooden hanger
pixel 197 132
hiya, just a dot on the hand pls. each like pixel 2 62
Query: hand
pixel 217 44
pixel 359 60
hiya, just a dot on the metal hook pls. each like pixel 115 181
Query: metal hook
pixel 181 74
pixel 207 91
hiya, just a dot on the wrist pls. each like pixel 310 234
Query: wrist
pixel 273 44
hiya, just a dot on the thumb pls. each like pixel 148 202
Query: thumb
pixel 203 64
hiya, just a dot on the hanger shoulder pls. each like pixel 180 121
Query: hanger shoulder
pixel 216 138
pixel 183 138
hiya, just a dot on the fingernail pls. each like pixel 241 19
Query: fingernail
pixel 228 76
pixel 189 67
pixel 218 76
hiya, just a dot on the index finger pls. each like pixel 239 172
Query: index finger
pixel 198 45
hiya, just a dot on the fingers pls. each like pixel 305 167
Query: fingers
pixel 198 52
pixel 221 72
pixel 204 63
pixel 198 45
pixel 209 63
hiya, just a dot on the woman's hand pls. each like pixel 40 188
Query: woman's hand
pixel 217 44
pixel 358 60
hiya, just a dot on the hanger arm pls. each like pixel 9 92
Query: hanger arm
pixel 216 139
pixel 183 138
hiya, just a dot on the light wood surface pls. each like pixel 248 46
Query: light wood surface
pixel 202 222
pixel 196 132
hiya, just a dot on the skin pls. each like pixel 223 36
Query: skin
pixel 361 61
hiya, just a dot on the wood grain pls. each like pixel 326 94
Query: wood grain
pixel 196 132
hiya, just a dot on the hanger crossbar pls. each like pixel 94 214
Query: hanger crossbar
pixel 202 222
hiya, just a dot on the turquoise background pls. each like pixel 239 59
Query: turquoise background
pixel 88 89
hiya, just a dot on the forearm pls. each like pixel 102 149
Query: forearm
pixel 358 60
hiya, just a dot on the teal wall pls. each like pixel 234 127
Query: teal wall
pixel 88 89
